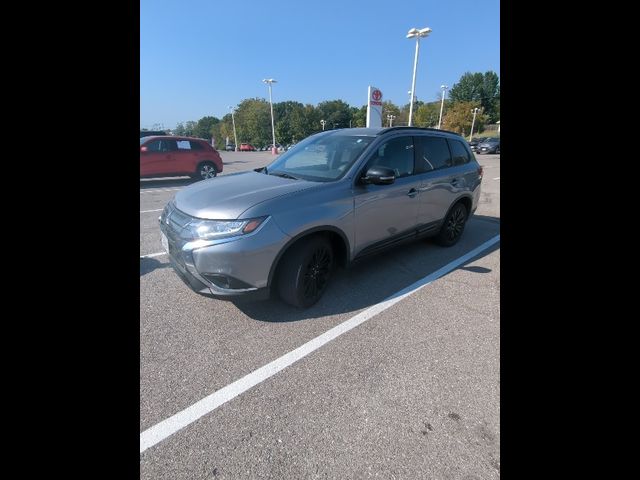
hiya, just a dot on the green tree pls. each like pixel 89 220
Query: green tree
pixel 481 88
pixel 459 117
pixel 427 115
pixel 292 124
pixel 336 113
pixel 359 116
pixel 389 108
pixel 179 130
pixel 253 122
pixel 204 127
pixel 223 130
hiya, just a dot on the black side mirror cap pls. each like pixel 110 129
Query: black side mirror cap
pixel 379 176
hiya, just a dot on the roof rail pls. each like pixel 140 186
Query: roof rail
pixel 388 129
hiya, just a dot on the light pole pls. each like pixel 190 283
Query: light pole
pixel 417 34
pixel 391 118
pixel 270 81
pixel 444 89
pixel 475 110
pixel 235 138
pixel 323 122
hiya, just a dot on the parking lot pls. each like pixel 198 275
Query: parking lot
pixel 411 391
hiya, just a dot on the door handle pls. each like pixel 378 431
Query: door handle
pixel 412 193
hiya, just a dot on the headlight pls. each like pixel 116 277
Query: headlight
pixel 214 229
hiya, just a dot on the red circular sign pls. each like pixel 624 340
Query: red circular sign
pixel 376 95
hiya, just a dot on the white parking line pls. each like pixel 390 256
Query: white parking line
pixel 151 255
pixel 152 190
pixel 148 211
pixel 497 178
pixel 171 425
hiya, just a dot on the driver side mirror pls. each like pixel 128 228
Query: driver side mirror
pixel 379 176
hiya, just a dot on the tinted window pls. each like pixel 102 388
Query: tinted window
pixel 196 146
pixel 459 152
pixel 396 154
pixel 169 145
pixel 154 146
pixel 433 153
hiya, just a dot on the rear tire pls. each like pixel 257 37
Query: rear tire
pixel 453 226
pixel 206 170
pixel 305 272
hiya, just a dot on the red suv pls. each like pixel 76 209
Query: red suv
pixel 169 156
pixel 247 147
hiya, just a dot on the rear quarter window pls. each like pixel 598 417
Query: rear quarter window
pixel 459 153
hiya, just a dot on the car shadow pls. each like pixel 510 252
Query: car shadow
pixel 166 182
pixel 148 265
pixel 235 161
pixel 372 281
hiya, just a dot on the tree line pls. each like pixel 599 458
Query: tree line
pixel 295 121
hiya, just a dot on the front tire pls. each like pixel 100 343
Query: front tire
pixel 305 272
pixel 206 170
pixel 453 226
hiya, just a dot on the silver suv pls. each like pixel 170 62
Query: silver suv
pixel 335 197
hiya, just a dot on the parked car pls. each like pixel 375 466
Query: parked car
pixel 170 156
pixel 269 147
pixel 490 145
pixel 339 196
pixel 475 141
pixel 230 147
pixel 247 147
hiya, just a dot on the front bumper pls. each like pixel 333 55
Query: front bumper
pixel 228 268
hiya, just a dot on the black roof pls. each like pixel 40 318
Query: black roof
pixel 424 129
pixel 376 131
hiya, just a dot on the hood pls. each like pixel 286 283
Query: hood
pixel 227 196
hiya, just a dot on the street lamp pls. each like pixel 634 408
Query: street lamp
pixel 475 110
pixel 270 81
pixel 444 88
pixel 391 118
pixel 235 138
pixel 417 34
pixel 323 122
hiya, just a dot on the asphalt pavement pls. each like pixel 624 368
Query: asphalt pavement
pixel 413 392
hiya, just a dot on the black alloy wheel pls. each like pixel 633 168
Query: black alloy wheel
pixel 453 226
pixel 305 272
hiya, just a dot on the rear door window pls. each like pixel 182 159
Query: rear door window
pixel 432 154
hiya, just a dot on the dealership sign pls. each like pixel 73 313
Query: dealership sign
pixel 374 108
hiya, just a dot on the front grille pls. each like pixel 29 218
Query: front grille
pixel 173 221
pixel 174 218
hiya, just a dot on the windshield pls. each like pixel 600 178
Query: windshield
pixel 320 158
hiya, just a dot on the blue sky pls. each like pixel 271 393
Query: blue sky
pixel 197 57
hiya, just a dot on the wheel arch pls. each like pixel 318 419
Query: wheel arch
pixel 337 238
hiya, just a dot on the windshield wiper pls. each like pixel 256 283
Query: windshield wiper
pixel 284 175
